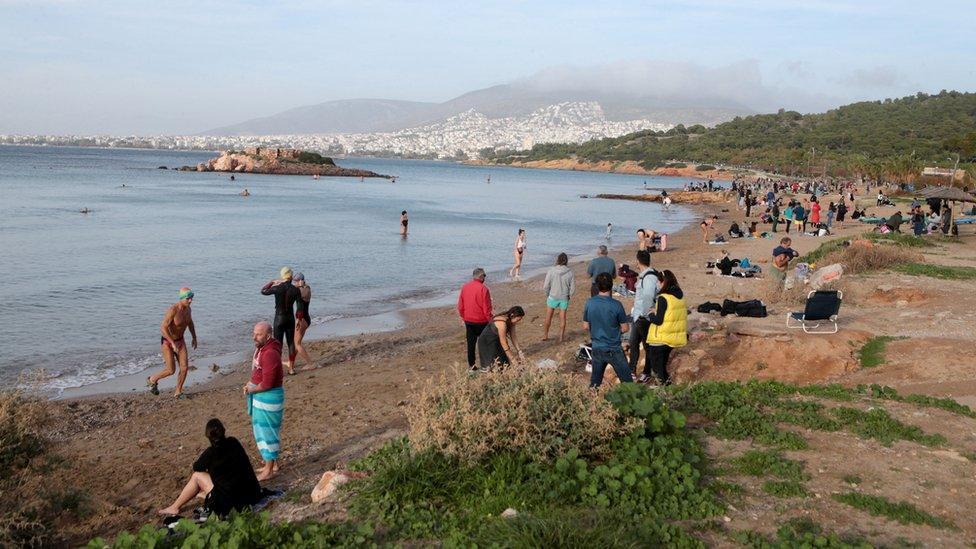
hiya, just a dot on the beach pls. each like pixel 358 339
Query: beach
pixel 355 398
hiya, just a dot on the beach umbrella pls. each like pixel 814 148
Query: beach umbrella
pixel 948 193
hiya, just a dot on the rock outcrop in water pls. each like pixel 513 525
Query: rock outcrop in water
pixel 280 162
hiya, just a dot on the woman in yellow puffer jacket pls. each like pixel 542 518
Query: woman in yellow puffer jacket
pixel 669 327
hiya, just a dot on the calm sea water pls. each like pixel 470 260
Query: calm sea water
pixel 82 296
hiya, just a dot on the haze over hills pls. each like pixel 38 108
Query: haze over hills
pixel 502 101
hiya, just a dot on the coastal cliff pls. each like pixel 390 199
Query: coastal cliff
pixel 280 162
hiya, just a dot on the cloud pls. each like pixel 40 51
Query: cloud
pixel 737 84
pixel 882 77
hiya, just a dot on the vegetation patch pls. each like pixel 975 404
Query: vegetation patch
pixel 926 401
pixel 678 165
pixel 704 168
pixel 799 532
pixel 785 489
pixel 769 462
pixel 899 239
pixel 902 512
pixel 944 272
pixel 872 354
pixel 878 424
pixel 852 479
pixel 307 157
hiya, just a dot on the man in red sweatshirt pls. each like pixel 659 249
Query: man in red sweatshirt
pixel 474 307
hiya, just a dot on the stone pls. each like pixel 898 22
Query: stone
pixel 901 304
pixel 509 513
pixel 330 482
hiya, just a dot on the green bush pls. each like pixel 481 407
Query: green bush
pixel 878 424
pixel 872 354
pixel 704 168
pixel 307 157
pixel 676 165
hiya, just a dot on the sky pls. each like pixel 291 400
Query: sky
pixel 183 66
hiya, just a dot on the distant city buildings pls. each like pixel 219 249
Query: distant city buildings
pixel 462 135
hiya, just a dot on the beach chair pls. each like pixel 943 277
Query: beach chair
pixel 823 307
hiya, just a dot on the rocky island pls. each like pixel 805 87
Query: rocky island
pixel 280 162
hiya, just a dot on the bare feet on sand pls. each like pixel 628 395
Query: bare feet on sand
pixel 168 512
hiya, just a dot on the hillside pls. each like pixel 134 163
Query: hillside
pixel 355 116
pixel 866 137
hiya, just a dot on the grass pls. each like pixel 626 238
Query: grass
pixel 944 272
pixel 925 401
pixel 759 463
pixel 902 512
pixel 878 424
pixel 852 479
pixel 834 245
pixel 872 354
pixel 898 239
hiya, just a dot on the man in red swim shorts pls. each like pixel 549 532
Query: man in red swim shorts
pixel 174 326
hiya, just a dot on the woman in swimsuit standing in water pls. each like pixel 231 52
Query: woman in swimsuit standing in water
pixel 403 223
pixel 302 319
pixel 518 252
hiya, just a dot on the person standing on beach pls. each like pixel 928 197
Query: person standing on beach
pixel 519 253
pixel 176 321
pixel 600 264
pixel 266 397
pixel 774 214
pixel 474 308
pixel 668 326
pixel 303 319
pixel 559 286
pixel 285 294
pixel 645 292
pixel 404 221
pixel 604 318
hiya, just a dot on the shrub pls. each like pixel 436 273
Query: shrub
pixel 314 158
pixel 21 418
pixel 704 168
pixel 540 414
pixel 676 165
pixel 858 258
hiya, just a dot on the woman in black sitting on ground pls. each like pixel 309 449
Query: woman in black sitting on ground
pixel 222 475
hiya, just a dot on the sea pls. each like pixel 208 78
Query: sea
pixel 82 294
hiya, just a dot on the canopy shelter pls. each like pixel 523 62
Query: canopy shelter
pixel 947 193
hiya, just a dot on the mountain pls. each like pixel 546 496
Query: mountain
pixel 353 116
pixel 893 135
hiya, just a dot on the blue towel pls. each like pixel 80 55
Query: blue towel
pixel 266 410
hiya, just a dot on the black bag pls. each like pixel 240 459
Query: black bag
pixel 708 307
pixel 752 308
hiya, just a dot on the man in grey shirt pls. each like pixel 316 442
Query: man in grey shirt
pixel 600 264
pixel 645 294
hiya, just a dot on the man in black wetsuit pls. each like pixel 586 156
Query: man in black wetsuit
pixel 284 321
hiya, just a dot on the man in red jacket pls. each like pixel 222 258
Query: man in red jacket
pixel 474 307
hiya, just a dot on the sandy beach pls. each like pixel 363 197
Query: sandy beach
pixel 353 399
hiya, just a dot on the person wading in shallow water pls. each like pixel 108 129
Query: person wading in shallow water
pixel 404 221
pixel 175 323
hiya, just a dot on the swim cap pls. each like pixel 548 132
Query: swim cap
pixel 299 276
pixel 186 293
pixel 286 273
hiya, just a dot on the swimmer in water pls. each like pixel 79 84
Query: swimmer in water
pixel 404 221
pixel 177 320
pixel 84 211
